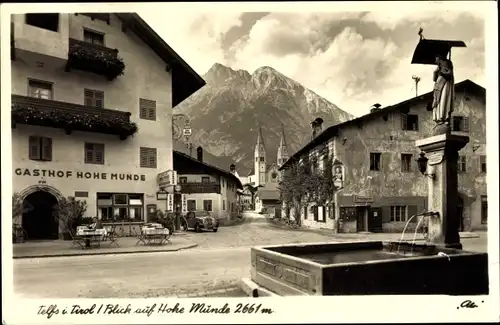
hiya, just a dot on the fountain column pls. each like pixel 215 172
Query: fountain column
pixel 442 170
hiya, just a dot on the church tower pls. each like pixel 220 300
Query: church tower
pixel 282 149
pixel 260 160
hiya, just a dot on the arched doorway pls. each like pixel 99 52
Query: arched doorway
pixel 460 211
pixel 38 216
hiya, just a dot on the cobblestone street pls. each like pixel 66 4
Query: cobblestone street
pixel 217 264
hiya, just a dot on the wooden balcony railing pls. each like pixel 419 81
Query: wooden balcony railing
pixel 70 117
pixel 200 188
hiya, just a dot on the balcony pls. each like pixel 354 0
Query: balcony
pixel 70 117
pixel 188 188
pixel 94 58
pixel 39 45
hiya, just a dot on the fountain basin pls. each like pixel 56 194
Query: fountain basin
pixel 368 268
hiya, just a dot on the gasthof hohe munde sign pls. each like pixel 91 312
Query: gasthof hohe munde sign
pixel 78 174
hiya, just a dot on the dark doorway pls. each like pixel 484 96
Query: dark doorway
pixel 177 209
pixel 360 218
pixel 460 212
pixel 38 218
pixel 375 220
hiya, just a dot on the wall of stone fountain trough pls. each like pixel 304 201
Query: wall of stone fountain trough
pixel 464 274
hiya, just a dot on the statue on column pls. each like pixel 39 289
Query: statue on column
pixel 436 52
pixel 444 93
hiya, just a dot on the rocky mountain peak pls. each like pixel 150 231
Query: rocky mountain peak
pixel 265 77
pixel 219 73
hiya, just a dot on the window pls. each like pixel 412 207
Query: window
pixel 305 212
pixel 120 206
pixel 460 123
pixel 398 213
pixel 40 89
pixel 484 210
pixel 205 179
pixel 93 37
pixel 94 98
pixel 45 21
pixel 406 162
pixel 207 205
pixel 183 180
pixel 223 205
pixel 40 148
pixel 94 153
pixel 375 160
pixel 147 109
pixel 191 205
pixel 482 162
pixel 462 164
pixel 261 159
pixel 148 157
pixel 232 206
pixel 409 122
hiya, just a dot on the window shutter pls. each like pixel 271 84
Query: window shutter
pixel 34 148
pixel 305 212
pixel 404 121
pixel 46 149
pixel 386 214
pixel 89 97
pixel 99 154
pixel 98 99
pixel 464 163
pixel 416 123
pixel 89 153
pixel 315 211
pixel 152 157
pixel 465 122
pixel 412 210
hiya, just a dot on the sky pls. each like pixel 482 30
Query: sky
pixel 353 59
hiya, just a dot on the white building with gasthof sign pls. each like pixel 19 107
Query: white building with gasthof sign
pixel 92 99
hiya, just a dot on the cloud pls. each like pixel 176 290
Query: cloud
pixel 353 59
pixel 196 37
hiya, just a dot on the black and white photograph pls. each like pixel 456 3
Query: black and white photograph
pixel 206 156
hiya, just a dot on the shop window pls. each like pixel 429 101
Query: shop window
pixel 120 206
pixel 398 213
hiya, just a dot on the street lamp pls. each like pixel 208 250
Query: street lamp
pixel 422 165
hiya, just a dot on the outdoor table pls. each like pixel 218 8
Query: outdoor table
pixel 91 235
pixel 155 235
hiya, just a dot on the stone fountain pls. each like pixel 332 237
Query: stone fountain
pixel 439 266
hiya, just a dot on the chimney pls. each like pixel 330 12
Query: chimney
pixel 375 107
pixel 232 169
pixel 199 151
pixel 317 126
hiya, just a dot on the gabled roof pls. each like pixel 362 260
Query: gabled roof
pixel 185 81
pixel 333 130
pixel 177 155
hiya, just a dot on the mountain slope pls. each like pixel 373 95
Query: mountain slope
pixel 226 113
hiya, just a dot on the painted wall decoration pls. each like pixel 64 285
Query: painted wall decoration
pixel 338 174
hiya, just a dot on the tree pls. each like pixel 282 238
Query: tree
pixel 17 207
pixel 303 182
pixel 69 211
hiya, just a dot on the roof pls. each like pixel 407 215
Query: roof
pixel 185 81
pixel 333 130
pixel 217 170
pixel 264 194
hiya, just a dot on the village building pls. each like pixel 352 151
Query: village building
pixel 205 187
pixel 92 99
pixel 378 184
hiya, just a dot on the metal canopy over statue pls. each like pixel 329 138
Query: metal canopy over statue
pixel 438 52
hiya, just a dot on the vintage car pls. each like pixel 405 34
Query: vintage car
pixel 200 221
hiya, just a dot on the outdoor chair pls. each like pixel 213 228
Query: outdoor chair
pixel 77 240
pixel 141 238
pixel 113 238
